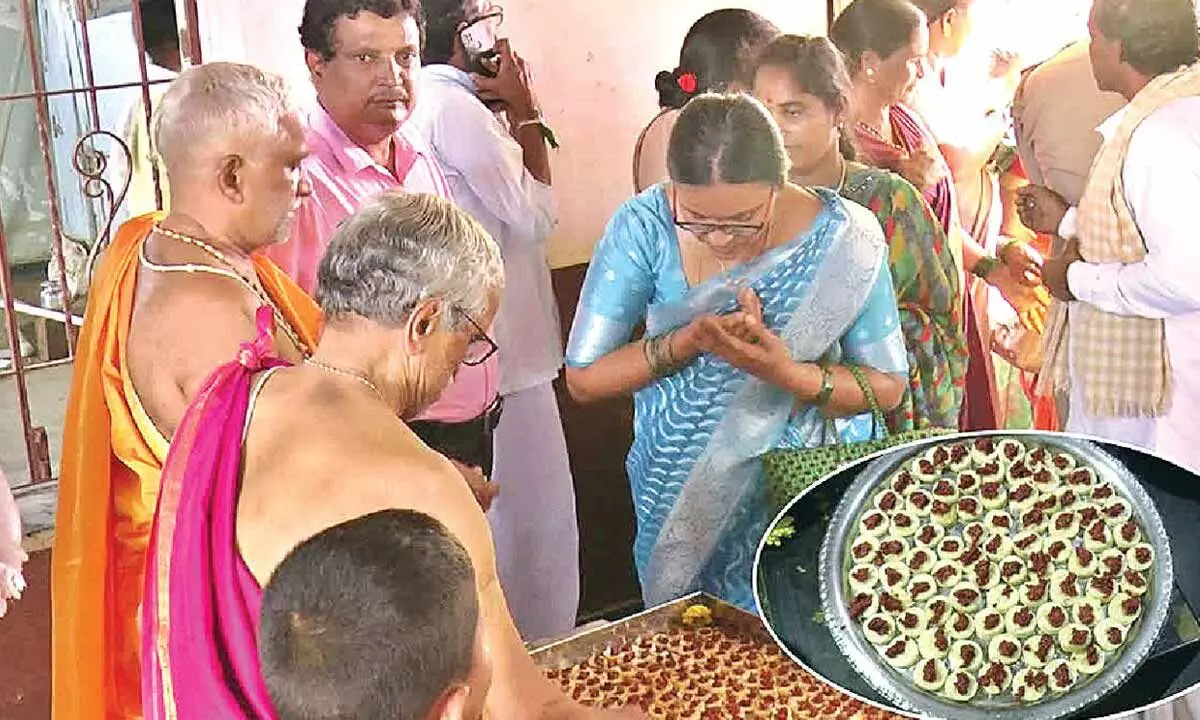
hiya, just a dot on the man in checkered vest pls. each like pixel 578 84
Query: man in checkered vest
pixel 1124 336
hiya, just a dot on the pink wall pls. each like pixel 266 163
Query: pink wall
pixel 593 64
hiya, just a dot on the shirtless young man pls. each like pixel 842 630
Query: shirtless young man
pixel 407 284
pixel 171 301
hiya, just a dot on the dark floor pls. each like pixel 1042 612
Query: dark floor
pixel 25 647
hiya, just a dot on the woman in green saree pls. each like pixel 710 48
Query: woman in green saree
pixel 805 84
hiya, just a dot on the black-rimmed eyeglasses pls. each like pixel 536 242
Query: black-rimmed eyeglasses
pixel 481 347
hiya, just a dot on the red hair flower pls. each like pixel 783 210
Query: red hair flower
pixel 687 83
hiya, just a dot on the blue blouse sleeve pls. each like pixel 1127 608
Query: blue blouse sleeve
pixel 875 339
pixel 618 287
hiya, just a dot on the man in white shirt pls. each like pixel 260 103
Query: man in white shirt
pixel 477 111
pixel 1137 47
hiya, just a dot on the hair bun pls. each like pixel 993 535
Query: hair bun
pixel 673 87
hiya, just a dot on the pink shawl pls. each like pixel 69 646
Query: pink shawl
pixel 201 604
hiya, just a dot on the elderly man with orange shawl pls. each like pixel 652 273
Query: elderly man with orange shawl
pixel 174 298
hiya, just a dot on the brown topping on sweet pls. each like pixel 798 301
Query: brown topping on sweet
pixel 966 596
pixel 1114 636
pixel 962 681
pixel 1088 515
pixel 890 603
pixel 1026 541
pixel 897 649
pixel 1142 554
pixel 961 623
pixel 873 520
pixel 1010 568
pixel 919 500
pixel 1020 470
pixel 973 532
pixel 940 508
pixel 1036 516
pixel 926 467
pixel 1037 591
pixel 1023 617
pixel 969 506
pixel 893 576
pixel 1067 586
pixel 1047 503
pixel 901 520
pixel 985 445
pixel 1008 648
pixel 994 544
pixel 1023 492
pixel 1135 579
pixel 940 455
pixel 1079 637
pixel 910 620
pixel 1103 584
pixel 1103 492
pixel 968 654
pixel 921 588
pixel 1011 450
pixel 1002 521
pixel 1079 477
pixel 937 610
pixel 972 554
pixel 990 490
pixel 943 488
pixel 1036 678
pixel 991 621
pixel 1064 520
pixel 1087 615
pixel 1045 645
pixel 1043 477
pixel 1131 605
pixel 944 573
pixel 1096 531
pixel 939 640
pixel 1056 616
pixel 1057 548
pixel 861 574
pixel 878 625
pixel 927 534
pixel 859 605
pixel 995 675
pixel 983 572
pixel 892 547
pixel 1062 676
pixel 903 482
pixel 887 501
pixel 1115 510
pixel 1114 563
pixel 1061 462
pixel 929 672
pixel 958 452
pixel 1068 498
pixel 951 545
pixel 919 558
pixel 861 550
pixel 966 481
pixel 1039 562
pixel 1038 455
pixel 1093 655
pixel 1129 531
pixel 990 470
pixel 1083 555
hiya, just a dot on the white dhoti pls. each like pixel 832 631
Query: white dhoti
pixel 533 518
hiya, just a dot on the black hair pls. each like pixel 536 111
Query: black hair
pixel 160 29
pixel 320 17
pixel 442 18
pixel 726 138
pixel 936 9
pixel 817 67
pixel 1156 36
pixel 719 49
pixel 881 26
pixel 372 619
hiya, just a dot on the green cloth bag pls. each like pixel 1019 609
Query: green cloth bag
pixel 790 471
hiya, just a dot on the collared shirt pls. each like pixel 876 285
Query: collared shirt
pixel 486 171
pixel 344 177
pixel 1162 181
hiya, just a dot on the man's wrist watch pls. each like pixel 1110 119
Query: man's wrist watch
pixel 826 391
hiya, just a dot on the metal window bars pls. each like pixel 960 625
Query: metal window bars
pixel 92 160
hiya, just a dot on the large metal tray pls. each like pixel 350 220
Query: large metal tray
pixel 897 688
pixel 579 647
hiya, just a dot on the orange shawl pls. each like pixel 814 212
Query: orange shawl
pixel 108 488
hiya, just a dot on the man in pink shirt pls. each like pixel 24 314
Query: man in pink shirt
pixel 361 64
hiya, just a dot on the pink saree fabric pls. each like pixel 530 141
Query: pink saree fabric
pixel 201 604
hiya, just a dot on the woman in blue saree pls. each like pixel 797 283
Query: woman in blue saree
pixel 755 295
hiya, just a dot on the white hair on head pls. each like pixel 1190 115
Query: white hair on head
pixel 208 105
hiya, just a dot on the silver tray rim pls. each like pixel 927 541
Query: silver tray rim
pixel 908 698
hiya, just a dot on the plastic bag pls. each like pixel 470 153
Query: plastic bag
pixel 12 556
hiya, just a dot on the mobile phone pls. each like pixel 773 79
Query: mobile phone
pixel 479 43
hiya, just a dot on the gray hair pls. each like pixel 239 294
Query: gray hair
pixel 211 103
pixel 402 248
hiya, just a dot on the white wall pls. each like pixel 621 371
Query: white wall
pixel 594 67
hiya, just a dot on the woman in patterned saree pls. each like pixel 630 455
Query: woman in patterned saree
pixel 755 294
pixel 805 85
pixel 885 43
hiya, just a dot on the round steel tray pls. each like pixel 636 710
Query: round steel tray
pixel 897 688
